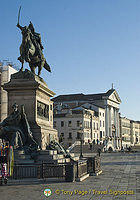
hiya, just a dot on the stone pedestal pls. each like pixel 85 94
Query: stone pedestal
pixel 25 88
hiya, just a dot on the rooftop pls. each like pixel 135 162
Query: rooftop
pixel 82 97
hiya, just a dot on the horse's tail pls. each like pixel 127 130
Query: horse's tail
pixel 47 67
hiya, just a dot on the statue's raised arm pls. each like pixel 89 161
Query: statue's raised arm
pixel 19 26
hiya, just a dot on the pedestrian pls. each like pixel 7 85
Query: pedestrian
pixel 99 152
pixel 90 145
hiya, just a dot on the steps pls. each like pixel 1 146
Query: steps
pixel 48 156
pixel 86 148
pixel 52 157
pixel 20 157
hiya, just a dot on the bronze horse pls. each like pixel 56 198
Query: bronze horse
pixel 31 50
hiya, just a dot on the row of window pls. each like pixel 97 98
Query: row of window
pixel 102 124
pixel 70 135
pixel 86 135
pixel 102 114
pixel 86 124
pixel 125 131
pixel 125 139
pixel 69 123
pixel 126 124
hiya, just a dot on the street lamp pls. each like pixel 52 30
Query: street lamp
pixel 81 140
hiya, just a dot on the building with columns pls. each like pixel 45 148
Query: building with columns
pixel 110 101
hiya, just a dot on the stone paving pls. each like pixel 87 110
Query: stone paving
pixel 121 175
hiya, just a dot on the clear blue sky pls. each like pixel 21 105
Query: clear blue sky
pixel 89 44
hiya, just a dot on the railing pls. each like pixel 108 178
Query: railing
pixel 50 171
pixel 38 171
pixel 25 171
pixel 81 168
pixel 93 164
pixel 69 171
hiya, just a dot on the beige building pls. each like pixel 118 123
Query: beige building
pixel 135 133
pixel 5 74
pixel 130 132
pixel 71 123
pixel 110 101
pixel 125 131
pixel 101 113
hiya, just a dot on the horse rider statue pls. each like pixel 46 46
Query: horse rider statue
pixel 31 49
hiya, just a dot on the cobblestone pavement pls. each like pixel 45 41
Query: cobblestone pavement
pixel 121 174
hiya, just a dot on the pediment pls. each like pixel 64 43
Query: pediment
pixel 115 97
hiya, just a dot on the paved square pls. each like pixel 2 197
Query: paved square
pixel 121 175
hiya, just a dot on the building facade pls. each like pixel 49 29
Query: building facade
pixel 110 101
pixel 135 133
pixel 5 74
pixel 100 112
pixel 130 132
pixel 76 123
pixel 125 132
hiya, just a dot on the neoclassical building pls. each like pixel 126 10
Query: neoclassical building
pixel 71 123
pixel 110 101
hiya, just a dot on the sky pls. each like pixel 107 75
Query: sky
pixel 89 45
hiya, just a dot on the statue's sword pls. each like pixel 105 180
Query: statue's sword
pixel 19 14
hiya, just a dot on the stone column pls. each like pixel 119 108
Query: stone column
pixel 107 121
pixel 110 122
pixel 118 124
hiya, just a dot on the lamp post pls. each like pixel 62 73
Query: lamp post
pixel 81 140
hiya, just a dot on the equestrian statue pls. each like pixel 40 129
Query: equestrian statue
pixel 31 49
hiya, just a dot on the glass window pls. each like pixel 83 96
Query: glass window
pixel 78 123
pixel 94 125
pixel 97 126
pixel 70 135
pixel 69 123
pixel 62 123
pixel 78 135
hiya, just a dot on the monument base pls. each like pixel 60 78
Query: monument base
pixel 25 88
